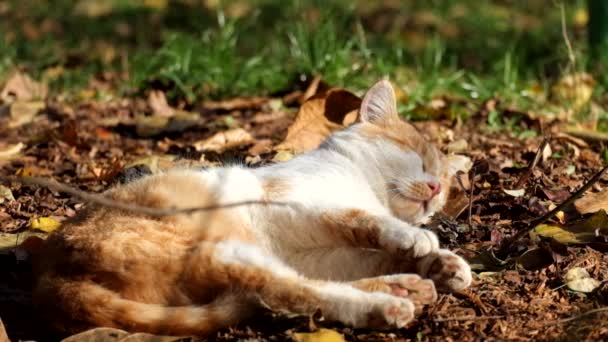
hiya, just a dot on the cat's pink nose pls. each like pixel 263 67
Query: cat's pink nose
pixel 435 188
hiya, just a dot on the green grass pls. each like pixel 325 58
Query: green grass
pixel 467 49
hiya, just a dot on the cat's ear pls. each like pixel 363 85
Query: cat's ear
pixel 379 103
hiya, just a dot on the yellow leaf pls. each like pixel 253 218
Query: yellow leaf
pixel 322 335
pixel 6 194
pixel 575 89
pixel 45 224
pixel 556 232
pixel 578 279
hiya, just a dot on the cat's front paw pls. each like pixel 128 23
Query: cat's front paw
pixel 411 286
pixel 411 242
pixel 389 312
pixel 448 271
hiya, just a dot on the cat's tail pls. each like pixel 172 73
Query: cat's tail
pixel 86 304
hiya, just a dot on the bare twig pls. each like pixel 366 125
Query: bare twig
pixel 571 55
pixel 539 153
pixel 110 203
pixel 533 223
pixel 574 318
pixel 471 188
pixel 467 318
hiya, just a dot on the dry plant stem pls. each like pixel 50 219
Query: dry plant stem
pixel 110 203
pixel 539 153
pixel 471 188
pixel 574 318
pixel 533 223
pixel 467 318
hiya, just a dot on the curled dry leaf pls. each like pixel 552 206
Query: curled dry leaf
pixel 226 140
pixel 515 192
pixel 22 88
pixel 158 102
pixel 321 335
pixel 578 279
pixel 318 118
pixel 10 151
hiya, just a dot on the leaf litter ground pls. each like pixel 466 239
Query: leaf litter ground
pixel 518 295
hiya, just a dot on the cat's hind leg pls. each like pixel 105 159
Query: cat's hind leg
pixel 245 268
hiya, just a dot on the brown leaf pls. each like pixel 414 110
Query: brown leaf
pixel 592 202
pixel 236 103
pixel 117 335
pixel 21 87
pixel 318 118
pixel 226 140
pixel 3 335
pixel 158 102
pixel 23 112
pixel 10 151
pixel 147 126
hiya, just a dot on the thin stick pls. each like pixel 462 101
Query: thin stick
pixel 574 318
pixel 467 318
pixel 539 153
pixel 571 55
pixel 110 203
pixel 471 188
pixel 533 223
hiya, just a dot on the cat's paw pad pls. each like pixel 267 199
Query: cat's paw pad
pixel 392 312
pixel 449 271
pixel 411 286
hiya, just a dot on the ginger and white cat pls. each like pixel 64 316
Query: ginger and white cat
pixel 343 242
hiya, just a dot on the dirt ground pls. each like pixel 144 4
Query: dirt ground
pixel 92 144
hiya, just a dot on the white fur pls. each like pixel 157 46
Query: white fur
pixel 239 252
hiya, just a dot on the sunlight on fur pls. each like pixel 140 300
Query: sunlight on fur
pixel 350 247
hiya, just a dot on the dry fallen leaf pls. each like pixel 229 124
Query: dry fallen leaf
pixel 592 202
pixel 3 335
pixel 147 126
pixel 578 279
pixel 226 140
pixel 117 335
pixel 321 335
pixel 22 88
pixel 158 102
pixel 236 103
pixel 318 118
pixel 155 163
pixel 45 224
pixel 10 151
pixel 515 192
pixel 576 89
pixel 6 194
pixel 23 112
pixel 580 231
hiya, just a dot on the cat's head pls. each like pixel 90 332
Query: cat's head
pixel 417 174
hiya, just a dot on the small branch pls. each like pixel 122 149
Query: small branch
pixel 467 318
pixel 471 189
pixel 574 318
pixel 539 153
pixel 533 223
pixel 110 203
pixel 571 55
